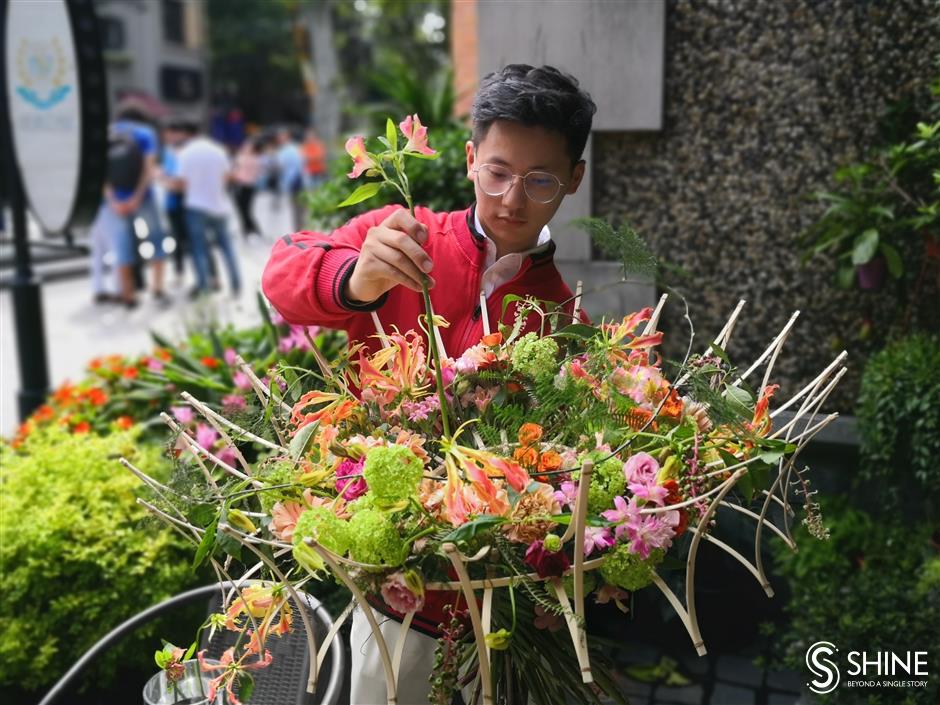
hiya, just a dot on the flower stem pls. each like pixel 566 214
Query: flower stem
pixel 432 341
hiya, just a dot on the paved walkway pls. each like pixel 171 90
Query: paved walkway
pixel 78 330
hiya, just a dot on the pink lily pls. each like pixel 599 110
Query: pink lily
pixel 356 148
pixel 417 135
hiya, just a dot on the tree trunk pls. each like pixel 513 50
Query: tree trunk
pixel 318 16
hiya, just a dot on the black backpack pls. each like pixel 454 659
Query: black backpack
pixel 125 161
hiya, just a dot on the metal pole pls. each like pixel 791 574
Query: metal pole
pixel 27 299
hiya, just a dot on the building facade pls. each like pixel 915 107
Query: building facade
pixel 157 49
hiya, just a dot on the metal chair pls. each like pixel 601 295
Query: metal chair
pixel 282 683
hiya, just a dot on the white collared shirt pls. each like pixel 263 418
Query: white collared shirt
pixel 500 271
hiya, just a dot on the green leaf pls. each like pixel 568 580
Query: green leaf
pixel 298 444
pixel 884 211
pixel 391 134
pixel 205 546
pixel 741 400
pixel 845 277
pixel 363 193
pixel 419 155
pixel 576 330
pixel 160 658
pixel 893 259
pixel 865 247
pixel 190 651
pixel 472 528
pixel 246 686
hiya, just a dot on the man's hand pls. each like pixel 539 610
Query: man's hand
pixel 391 254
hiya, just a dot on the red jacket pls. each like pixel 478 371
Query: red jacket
pixel 307 272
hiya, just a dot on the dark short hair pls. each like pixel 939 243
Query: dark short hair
pixel 182 123
pixel 535 97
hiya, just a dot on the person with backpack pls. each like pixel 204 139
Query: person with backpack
pixel 529 130
pixel 128 220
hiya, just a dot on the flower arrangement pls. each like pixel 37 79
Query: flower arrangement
pixel 497 489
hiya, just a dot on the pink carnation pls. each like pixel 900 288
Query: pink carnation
pixel 351 487
pixel 399 596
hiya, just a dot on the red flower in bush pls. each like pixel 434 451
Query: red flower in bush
pixel 124 422
pixel 210 362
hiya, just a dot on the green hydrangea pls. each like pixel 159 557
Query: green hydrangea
pixel 627 570
pixel 282 472
pixel 374 538
pixel 392 472
pixel 321 524
pixel 534 356
pixel 607 482
pixel 590 583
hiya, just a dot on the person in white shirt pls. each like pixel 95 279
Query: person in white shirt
pixel 203 174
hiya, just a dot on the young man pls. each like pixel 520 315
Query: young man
pixel 203 174
pixel 530 126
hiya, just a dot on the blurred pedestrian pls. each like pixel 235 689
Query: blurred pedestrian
pixel 174 136
pixel 291 177
pixel 314 158
pixel 203 174
pixel 245 177
pixel 129 212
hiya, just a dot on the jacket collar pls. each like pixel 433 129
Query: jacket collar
pixel 473 242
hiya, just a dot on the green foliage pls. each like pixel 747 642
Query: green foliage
pixel 899 424
pixel 872 586
pixel 406 91
pixel 441 185
pixel 881 206
pixel 621 244
pixel 74 558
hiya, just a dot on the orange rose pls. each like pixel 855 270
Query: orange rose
pixel 529 434
pixel 550 461
pixel 527 456
pixel 492 339
pixel 124 422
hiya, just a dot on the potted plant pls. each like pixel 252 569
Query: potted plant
pixel 881 207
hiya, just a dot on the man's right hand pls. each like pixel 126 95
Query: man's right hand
pixel 391 255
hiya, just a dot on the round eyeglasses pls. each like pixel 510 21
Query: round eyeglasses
pixel 539 186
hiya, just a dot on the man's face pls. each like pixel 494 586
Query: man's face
pixel 513 220
pixel 172 137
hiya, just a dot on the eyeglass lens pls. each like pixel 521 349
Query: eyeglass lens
pixel 540 186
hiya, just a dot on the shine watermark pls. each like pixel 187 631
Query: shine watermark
pixel 872 669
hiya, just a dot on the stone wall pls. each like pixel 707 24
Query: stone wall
pixel 763 100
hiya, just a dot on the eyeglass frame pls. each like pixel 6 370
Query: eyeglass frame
pixel 561 184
